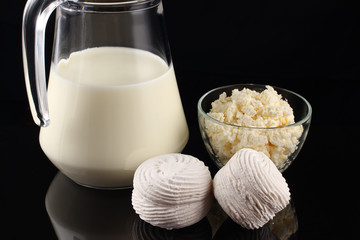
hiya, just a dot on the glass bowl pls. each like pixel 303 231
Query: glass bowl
pixel 280 144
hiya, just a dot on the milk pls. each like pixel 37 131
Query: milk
pixel 111 108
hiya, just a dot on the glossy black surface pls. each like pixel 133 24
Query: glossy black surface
pixel 309 47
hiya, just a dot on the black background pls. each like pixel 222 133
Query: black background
pixel 311 47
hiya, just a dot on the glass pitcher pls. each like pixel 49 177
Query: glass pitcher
pixel 112 100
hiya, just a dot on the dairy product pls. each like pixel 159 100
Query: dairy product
pixel 250 189
pixel 111 108
pixel 256 114
pixel 172 191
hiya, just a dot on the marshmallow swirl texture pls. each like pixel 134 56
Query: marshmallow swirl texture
pixel 172 191
pixel 250 189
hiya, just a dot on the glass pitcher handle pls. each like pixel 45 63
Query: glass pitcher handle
pixel 35 17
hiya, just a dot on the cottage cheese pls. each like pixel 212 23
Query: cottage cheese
pixel 259 113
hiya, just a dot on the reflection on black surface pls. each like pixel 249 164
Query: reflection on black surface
pixel 78 212
pixel 282 227
pixel 230 230
pixel 145 231
pixel 285 224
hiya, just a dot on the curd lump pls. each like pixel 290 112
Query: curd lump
pixel 172 191
pixel 250 189
pixel 261 111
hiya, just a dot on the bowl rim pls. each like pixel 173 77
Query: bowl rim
pixel 244 85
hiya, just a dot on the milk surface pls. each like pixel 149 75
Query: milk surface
pixel 111 108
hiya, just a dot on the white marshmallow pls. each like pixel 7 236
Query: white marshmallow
pixel 250 189
pixel 172 191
